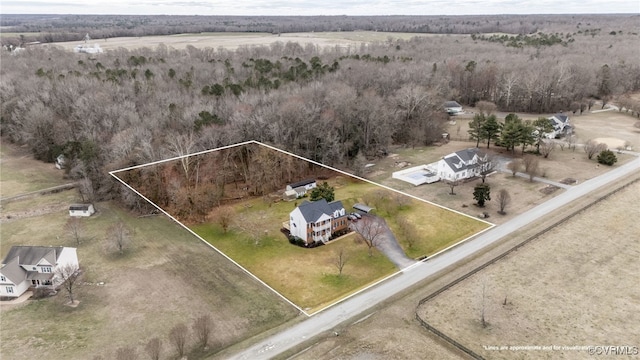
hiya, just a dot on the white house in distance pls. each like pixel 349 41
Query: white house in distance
pixel 561 126
pixel 317 220
pixel 462 164
pixel 27 267
pixel 81 210
pixel 300 188
pixel 452 108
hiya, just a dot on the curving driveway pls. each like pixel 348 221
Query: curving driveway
pixel 387 242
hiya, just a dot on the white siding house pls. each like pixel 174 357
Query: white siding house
pixel 81 210
pixel 301 187
pixel 33 266
pixel 461 165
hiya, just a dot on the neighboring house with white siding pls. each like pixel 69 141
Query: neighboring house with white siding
pixel 301 187
pixel 81 210
pixel 463 164
pixel 27 267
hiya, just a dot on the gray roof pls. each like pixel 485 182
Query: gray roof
pixel 462 157
pixel 82 207
pixel 31 255
pixel 561 117
pixel 12 271
pixel 302 183
pixel 362 207
pixel 450 104
pixel 312 211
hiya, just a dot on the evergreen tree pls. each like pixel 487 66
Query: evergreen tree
pixel 323 191
pixel 482 193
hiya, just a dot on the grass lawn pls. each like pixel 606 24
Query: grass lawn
pixel 20 173
pixel 308 277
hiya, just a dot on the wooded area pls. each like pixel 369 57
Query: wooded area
pixel 335 105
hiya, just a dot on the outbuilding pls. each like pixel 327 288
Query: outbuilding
pixel 362 207
pixel 81 210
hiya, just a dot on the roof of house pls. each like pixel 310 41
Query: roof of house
pixel 458 160
pixel 81 207
pixel 561 117
pixel 362 207
pixel 451 104
pixel 31 255
pixel 302 183
pixel 12 271
pixel 312 211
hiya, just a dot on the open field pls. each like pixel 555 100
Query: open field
pixel 391 330
pixel 17 178
pixel 232 41
pixel 575 285
pixel 167 276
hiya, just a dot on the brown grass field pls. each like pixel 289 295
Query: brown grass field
pixel 232 41
pixel 168 276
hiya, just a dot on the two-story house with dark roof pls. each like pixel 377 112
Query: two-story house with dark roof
pixel 317 221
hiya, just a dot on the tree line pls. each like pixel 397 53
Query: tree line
pixel 334 105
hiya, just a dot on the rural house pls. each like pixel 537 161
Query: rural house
pixel 317 220
pixel 463 164
pixel 81 210
pixel 300 187
pixel 27 267
pixel 452 108
pixel 561 126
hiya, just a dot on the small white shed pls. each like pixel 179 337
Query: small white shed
pixel 81 210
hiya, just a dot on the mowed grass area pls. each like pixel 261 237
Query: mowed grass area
pixel 166 277
pixel 308 277
pixel 17 178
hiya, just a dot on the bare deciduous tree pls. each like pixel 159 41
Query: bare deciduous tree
pixel 486 166
pixel 408 231
pixel 371 230
pixel 531 166
pixel 452 184
pixel 592 147
pixel 154 348
pixel 571 142
pixel 547 147
pixel 178 337
pixel 119 237
pixel 202 328
pixel 514 166
pixel 224 217
pixel 503 200
pixel 75 228
pixel 339 259
pixel 68 275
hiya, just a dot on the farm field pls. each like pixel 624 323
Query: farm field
pixel 232 41
pixel 575 285
pixel 149 289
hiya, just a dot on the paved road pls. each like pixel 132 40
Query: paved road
pixel 354 306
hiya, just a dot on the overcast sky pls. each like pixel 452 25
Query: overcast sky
pixel 318 7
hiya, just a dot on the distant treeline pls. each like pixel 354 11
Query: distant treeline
pixel 55 28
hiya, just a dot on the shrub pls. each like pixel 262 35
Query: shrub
pixel 607 157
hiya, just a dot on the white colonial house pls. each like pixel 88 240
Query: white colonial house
pixel 27 267
pixel 317 220
pixel 463 164
pixel 301 187
pixel 561 126
pixel 81 210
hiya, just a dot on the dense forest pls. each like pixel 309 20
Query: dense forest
pixel 333 105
